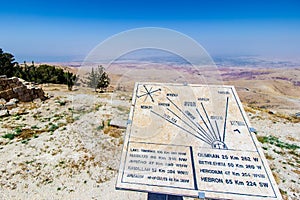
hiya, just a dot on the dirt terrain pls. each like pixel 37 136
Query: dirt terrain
pixel 66 148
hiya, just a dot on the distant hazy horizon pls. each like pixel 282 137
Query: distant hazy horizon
pixel 80 58
pixel 220 61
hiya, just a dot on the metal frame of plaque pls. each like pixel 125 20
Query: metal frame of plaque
pixel 193 140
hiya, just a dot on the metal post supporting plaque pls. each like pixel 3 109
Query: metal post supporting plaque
pixel 155 196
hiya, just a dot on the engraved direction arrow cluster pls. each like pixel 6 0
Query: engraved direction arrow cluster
pixel 148 93
pixel 209 133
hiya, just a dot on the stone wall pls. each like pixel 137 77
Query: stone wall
pixel 17 88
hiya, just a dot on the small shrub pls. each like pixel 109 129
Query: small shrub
pixel 282 192
pixel 62 103
pixel 35 127
pixel 18 131
pixel 76 118
pixel 17 117
pixel 53 127
pixel 101 127
pixel 278 152
pixel 265 148
pixel 10 136
pixel 25 141
pixel 275 141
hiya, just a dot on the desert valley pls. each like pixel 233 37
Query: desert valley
pixel 68 146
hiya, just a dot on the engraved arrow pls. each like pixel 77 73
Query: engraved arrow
pixel 237 130
pixel 148 93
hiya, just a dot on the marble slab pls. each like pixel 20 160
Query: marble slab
pixel 193 140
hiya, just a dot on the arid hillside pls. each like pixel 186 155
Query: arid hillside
pixel 68 146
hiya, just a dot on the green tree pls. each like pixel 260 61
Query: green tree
pixel 71 78
pixel 103 82
pixel 7 64
pixel 98 79
pixel 93 79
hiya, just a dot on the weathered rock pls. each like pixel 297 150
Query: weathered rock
pixel 10 105
pixel 37 101
pixel 16 88
pixel 18 111
pixel 79 107
pixel 4 113
pixel 14 100
pixel 119 123
pixel 2 107
pixel 2 101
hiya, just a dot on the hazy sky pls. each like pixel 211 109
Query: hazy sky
pixel 67 30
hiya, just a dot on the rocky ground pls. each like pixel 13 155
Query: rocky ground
pixel 279 138
pixel 66 147
pixel 62 147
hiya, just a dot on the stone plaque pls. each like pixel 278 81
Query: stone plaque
pixel 193 140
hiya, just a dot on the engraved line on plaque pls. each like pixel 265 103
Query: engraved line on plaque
pixel 209 133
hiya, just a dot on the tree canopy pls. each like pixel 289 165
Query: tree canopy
pixel 38 74
pixel 98 79
pixel 7 64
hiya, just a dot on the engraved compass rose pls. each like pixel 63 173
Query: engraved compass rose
pixel 147 93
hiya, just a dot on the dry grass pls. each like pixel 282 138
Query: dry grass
pixel 28 133
pixel 269 157
pixel 274 116
pixel 291 138
pixel 283 194
pixel 70 119
pixel 112 131
pixel 296 171
pixel 121 141
pixel 276 177
pixel 27 106
pixel 292 119
pixel 249 110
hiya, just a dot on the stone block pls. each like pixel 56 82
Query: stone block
pixel 118 123
pixel 10 105
pixel 18 88
pixel 4 113
pixel 2 101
